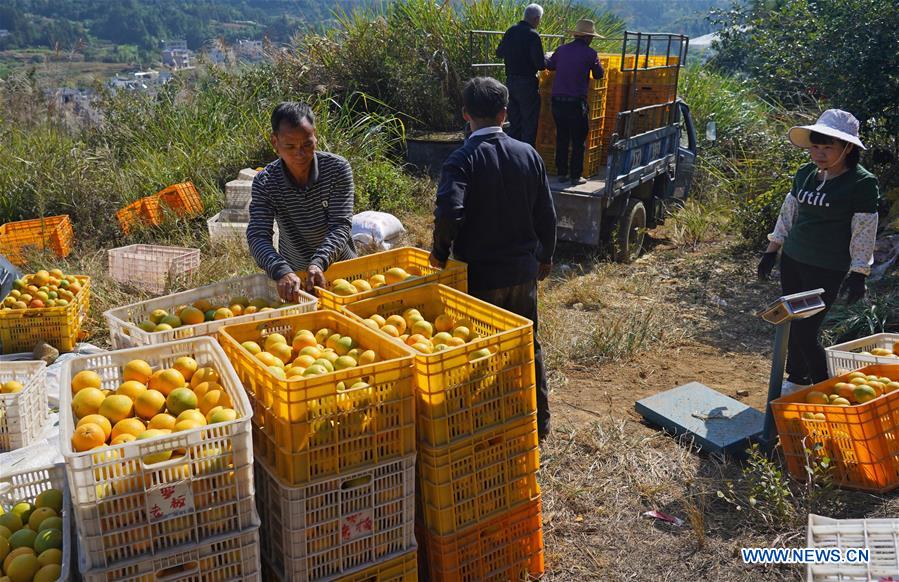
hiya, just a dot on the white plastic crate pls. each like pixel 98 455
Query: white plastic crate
pixel 238 193
pixel 123 321
pixel 23 414
pixel 845 357
pixel 126 508
pixel 27 485
pixel 247 174
pixel 230 226
pixel 879 536
pixel 331 527
pixel 225 558
pixel 151 267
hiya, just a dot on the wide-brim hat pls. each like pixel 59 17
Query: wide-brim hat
pixel 833 122
pixel 584 27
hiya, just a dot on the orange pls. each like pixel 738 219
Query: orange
pixel 222 313
pixel 810 398
pixel 137 370
pixel 236 309
pixel 87 436
pixel 187 366
pixel 281 351
pixel 117 407
pixel 395 275
pixel 85 379
pixel 423 328
pixel 201 389
pixel 181 399
pixel 193 415
pixel 186 425
pixel 220 414
pixel 191 316
pixel 149 404
pixel 303 339
pixel 398 322
pixel 212 399
pixel 414 339
pixel 125 437
pixel 269 360
pixel 864 394
pixel 391 330
pixel 304 361
pixel 367 357
pixel 272 339
pixel 87 401
pixel 100 421
pixel 322 335
pixel 203 305
pixel 132 426
pixel 444 323
pixel 162 420
pixel 204 375
pixel 132 389
pixel 167 380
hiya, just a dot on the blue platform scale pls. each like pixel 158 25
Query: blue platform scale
pixel 718 423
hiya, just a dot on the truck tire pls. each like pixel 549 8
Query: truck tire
pixel 631 230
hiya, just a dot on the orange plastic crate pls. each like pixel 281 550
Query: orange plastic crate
pixel 412 259
pixel 21 329
pixel 302 427
pixel 479 478
pixel 457 397
pixel 50 233
pixel 183 199
pixel 508 547
pixel 862 440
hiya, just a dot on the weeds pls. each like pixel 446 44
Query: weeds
pixel 694 223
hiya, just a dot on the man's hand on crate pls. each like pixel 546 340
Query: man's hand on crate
pixel 435 262
pixel 289 287
pixel 314 278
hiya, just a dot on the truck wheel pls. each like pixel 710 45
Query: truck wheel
pixel 631 231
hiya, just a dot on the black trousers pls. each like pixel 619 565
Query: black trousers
pixel 523 109
pixel 571 130
pixel 806 360
pixel 522 300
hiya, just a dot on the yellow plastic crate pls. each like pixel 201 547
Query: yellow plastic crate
pixel 411 259
pixel 302 427
pixel 457 397
pixel 21 329
pixel 479 478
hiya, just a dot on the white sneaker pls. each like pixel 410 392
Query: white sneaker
pixel 788 387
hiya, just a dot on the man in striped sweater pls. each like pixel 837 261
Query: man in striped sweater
pixel 310 194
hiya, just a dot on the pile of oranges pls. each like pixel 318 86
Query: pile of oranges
pixel 147 403
pixel 42 289
pixel 204 310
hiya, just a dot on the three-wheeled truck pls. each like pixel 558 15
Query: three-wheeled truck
pixel 641 131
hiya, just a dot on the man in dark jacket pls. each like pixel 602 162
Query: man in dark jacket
pixel 522 51
pixel 495 212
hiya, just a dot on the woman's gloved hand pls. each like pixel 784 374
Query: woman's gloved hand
pixel 766 265
pixel 854 287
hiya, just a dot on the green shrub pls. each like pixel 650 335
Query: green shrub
pixel 754 218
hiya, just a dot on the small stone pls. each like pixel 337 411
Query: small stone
pixel 743 393
pixel 46 352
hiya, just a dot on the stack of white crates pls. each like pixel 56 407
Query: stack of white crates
pixel 176 506
pixel 230 225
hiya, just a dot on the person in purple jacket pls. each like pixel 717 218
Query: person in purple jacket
pixel 573 64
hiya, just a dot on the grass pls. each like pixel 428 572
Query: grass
pixel 414 55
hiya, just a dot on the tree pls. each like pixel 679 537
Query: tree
pixel 842 52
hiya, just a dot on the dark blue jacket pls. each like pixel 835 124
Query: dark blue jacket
pixel 495 212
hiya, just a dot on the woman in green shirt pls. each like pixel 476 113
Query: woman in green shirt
pixel 826 228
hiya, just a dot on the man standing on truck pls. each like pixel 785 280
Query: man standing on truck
pixel 522 51
pixel 573 64
pixel 495 212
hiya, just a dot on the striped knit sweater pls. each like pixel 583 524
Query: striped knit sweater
pixel 315 221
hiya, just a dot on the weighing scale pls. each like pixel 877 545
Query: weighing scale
pixel 718 423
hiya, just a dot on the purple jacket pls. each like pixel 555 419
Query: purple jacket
pixel 573 63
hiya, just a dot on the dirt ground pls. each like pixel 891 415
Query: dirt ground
pixel 604 466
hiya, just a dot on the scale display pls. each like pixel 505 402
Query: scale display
pixel 796 306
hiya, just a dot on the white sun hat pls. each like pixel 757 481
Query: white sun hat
pixel 833 122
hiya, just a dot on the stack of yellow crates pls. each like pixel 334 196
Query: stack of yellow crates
pixel 334 452
pixel 478 501
pixel 606 98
